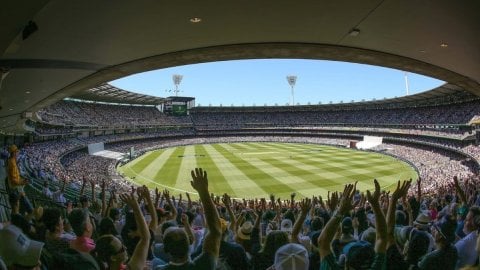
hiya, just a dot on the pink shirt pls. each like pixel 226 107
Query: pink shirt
pixel 83 244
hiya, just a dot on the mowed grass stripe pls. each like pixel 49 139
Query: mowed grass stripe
pixel 142 162
pixel 187 164
pixel 168 173
pixel 152 169
pixel 339 168
pixel 299 185
pixel 337 165
pixel 217 182
pixel 241 178
pixel 269 180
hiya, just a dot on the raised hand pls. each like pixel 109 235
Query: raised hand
pixel 166 194
pixel 332 201
pixel 401 190
pixel 347 198
pixel 373 199
pixel 128 199
pixel 226 200
pixel 305 205
pixel 199 180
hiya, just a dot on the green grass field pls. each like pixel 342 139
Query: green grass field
pixel 248 170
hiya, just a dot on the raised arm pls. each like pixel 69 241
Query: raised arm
pixel 139 256
pixel 92 186
pixel 211 243
pixel 227 202
pixel 151 209
pixel 104 204
pixel 84 183
pixel 399 192
pixel 380 222
pixel 188 228
pixel 305 206
pixel 459 191
pixel 173 215
pixel 419 189
pixel 329 231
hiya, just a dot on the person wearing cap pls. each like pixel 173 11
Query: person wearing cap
pixel 291 256
pixel 15 182
pixel 18 251
pixel 445 256
pixel 423 223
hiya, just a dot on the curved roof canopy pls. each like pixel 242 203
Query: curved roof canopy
pixel 72 46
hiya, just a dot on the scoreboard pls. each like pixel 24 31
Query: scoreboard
pixel 178 106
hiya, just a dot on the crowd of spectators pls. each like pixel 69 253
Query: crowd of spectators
pixel 106 115
pixel 431 223
pixel 142 229
pixel 430 115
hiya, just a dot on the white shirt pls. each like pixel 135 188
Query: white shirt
pixel 466 248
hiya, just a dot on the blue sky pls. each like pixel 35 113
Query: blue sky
pixel 259 82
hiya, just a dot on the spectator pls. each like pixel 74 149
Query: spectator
pixel 18 251
pixel 176 239
pixel 110 251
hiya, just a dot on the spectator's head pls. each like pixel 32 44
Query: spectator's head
pixel 275 239
pixel 400 218
pixel 347 226
pixel 417 246
pixel 13 150
pixel 84 201
pixel 176 242
pixel 161 215
pixel 167 225
pixel 106 227
pixel 358 255
pixel 291 256
pixel 472 221
pixel 316 224
pixel 80 222
pixel 444 231
pixel 224 228
pixel 286 226
pixel 52 218
pixel 245 230
pixel 18 251
pixel 289 215
pixel 369 235
pixel 109 249
pixel 422 222
pixel 114 214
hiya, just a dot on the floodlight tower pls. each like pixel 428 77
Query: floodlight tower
pixel 177 79
pixel 291 79
pixel 406 83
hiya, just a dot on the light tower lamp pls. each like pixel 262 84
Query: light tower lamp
pixel 291 79
pixel 177 79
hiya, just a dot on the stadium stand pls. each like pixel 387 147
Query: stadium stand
pixel 441 146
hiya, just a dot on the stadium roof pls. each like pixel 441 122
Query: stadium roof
pixel 73 46
pixel 111 94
